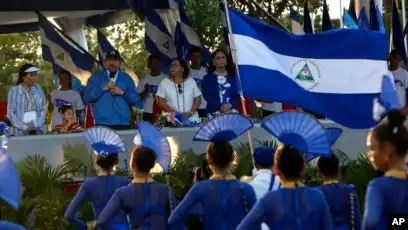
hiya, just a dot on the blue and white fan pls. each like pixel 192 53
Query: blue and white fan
pixel 10 226
pixel 333 134
pixel 299 130
pixel 388 99
pixel 152 137
pixel 224 127
pixel 104 141
pixel 4 134
pixel 9 180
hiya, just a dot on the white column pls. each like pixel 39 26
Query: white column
pixel 341 15
pixel 404 21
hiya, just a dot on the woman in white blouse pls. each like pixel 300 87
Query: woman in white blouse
pixel 178 92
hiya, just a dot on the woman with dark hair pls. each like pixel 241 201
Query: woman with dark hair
pixel 146 203
pixel 293 206
pixel 387 149
pixel 98 190
pixel 223 199
pixel 219 86
pixel 342 198
pixel 178 92
pixel 26 107
pixel 64 95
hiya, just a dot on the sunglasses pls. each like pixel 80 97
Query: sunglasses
pixel 180 88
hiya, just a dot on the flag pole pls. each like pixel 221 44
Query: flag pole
pixel 70 39
pixel 234 58
pixel 269 15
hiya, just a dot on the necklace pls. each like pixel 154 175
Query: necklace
pixel 179 90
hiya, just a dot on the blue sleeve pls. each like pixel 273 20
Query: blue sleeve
pixel 94 89
pixel 255 218
pixel 374 205
pixel 111 209
pixel 12 104
pixel 182 211
pixel 131 95
pixel 210 94
pixel 234 97
pixel 40 121
pixel 71 213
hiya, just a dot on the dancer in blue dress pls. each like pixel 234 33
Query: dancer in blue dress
pixel 293 206
pixel 98 190
pixel 146 203
pixel 342 198
pixel 387 149
pixel 224 199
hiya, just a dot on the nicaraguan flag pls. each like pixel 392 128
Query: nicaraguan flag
pixel 326 21
pixel 104 47
pixel 295 22
pixel 59 51
pixel 224 22
pixel 339 82
pixel 160 29
pixel 348 20
pixel 307 20
pixel 363 21
pixel 186 38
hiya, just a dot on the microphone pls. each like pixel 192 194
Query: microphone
pixel 112 76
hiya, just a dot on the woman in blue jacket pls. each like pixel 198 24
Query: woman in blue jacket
pixel 219 86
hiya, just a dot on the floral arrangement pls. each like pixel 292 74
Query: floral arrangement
pixel 174 120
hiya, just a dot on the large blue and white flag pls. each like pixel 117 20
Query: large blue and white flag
pixel 187 38
pixel 59 51
pixel 363 21
pixel 160 29
pixel 339 82
pixel 224 22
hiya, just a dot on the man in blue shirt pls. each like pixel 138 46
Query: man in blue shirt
pixel 112 94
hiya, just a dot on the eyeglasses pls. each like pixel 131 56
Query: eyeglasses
pixel 180 88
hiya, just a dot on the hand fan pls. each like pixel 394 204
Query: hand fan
pixel 9 180
pixel 12 226
pixel 153 138
pixel 333 134
pixel 224 127
pixel 104 140
pixel 299 130
pixel 388 99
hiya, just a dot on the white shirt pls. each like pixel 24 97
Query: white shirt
pixel 198 76
pixel 272 107
pixel 59 98
pixel 154 85
pixel 401 83
pixel 180 102
pixel 262 181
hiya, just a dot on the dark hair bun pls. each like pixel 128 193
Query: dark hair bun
pixel 395 118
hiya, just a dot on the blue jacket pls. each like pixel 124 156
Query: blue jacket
pixel 111 109
pixel 211 92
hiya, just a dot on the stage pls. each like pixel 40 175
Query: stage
pixel 351 142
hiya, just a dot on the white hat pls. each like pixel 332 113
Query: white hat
pixel 137 140
pixel 32 69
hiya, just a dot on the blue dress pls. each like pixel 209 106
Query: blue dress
pixel 98 190
pixel 293 206
pixel 218 91
pixel 223 204
pixel 385 195
pixel 147 206
pixel 342 199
